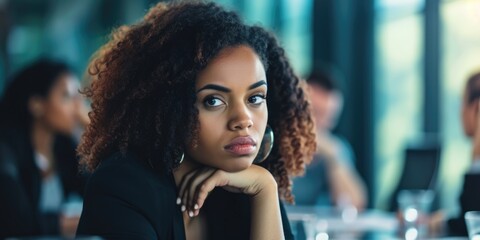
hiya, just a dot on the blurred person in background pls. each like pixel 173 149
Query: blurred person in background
pixel 331 177
pixel 469 198
pixel 38 165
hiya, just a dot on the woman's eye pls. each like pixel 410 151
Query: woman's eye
pixel 257 99
pixel 213 102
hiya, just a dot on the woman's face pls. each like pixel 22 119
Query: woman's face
pixel 326 107
pixel 58 110
pixel 469 115
pixel 231 100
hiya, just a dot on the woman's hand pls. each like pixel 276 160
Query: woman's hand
pixel 68 225
pixel 437 224
pixel 196 185
pixel 255 181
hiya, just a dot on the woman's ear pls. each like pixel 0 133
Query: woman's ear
pixel 36 106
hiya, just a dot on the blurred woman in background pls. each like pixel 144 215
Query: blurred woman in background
pixel 38 166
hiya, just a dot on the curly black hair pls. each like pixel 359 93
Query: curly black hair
pixel 143 89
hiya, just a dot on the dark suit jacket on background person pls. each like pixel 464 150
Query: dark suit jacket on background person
pixel 126 199
pixel 469 201
pixel 20 183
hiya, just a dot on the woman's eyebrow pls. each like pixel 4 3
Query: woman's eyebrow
pixel 215 87
pixel 227 90
pixel 257 84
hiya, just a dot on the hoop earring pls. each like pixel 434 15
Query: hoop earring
pixel 181 158
pixel 266 146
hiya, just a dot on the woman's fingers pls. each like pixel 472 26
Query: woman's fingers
pixel 196 185
pixel 186 189
pixel 194 181
pixel 199 179
pixel 217 179
pixel 188 186
pixel 182 186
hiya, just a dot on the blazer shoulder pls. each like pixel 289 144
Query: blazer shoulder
pixel 125 196
pixel 125 176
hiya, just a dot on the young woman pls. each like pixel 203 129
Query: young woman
pixel 181 138
pixel 38 164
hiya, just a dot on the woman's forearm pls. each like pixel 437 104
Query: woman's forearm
pixel 266 217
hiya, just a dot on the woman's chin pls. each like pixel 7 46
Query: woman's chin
pixel 236 165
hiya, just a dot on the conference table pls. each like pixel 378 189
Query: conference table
pixel 326 223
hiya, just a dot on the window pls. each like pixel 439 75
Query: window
pixel 289 19
pixel 398 89
pixel 460 58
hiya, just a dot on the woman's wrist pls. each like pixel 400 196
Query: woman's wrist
pixel 267 188
pixel 266 213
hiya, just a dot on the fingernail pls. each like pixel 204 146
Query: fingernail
pixel 183 208
pixel 196 206
pixel 190 214
pixel 179 201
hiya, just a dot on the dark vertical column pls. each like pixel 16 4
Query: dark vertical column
pixel 431 61
pixel 322 18
pixel 343 37
pixel 360 114
pixel 4 32
pixel 277 17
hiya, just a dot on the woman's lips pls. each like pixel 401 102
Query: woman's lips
pixel 241 146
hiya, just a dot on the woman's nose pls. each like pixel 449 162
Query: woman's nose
pixel 241 118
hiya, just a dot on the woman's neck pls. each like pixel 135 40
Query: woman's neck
pixel 42 140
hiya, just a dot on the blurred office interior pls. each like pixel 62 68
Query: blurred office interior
pixel 402 66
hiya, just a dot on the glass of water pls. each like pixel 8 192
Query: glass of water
pixel 414 206
pixel 473 224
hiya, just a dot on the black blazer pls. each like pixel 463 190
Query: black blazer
pixel 126 199
pixel 20 183
pixel 469 201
